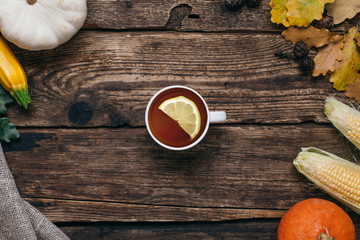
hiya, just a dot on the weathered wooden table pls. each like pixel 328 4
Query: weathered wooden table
pixel 87 162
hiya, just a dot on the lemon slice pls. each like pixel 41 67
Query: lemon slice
pixel 185 112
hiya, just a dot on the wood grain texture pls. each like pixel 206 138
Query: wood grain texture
pixel 252 229
pixel 96 211
pixel 264 229
pixel 199 15
pixel 116 74
pixel 235 167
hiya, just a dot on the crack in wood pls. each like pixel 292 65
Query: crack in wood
pixel 47 201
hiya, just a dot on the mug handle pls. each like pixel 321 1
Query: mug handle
pixel 217 116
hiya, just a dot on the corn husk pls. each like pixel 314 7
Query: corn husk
pixel 336 176
pixel 346 119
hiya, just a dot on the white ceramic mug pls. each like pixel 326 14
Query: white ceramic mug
pixel 211 118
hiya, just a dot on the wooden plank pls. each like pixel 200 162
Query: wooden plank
pixel 191 15
pixel 241 167
pixel 107 79
pixel 264 229
pixel 94 211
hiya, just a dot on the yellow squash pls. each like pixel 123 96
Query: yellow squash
pixel 12 75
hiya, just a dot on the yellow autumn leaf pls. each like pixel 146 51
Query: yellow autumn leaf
pixel 302 12
pixel 278 12
pixel 343 9
pixel 347 71
pixel 328 55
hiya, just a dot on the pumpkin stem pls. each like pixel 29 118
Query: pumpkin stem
pixel 31 2
pixel 325 236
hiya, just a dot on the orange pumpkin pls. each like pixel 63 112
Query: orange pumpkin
pixel 316 219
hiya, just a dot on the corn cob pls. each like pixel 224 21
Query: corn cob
pixel 12 75
pixel 346 119
pixel 336 176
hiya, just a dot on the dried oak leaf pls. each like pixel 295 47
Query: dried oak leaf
pixel 353 90
pixel 312 36
pixel 302 12
pixel 328 55
pixel 278 12
pixel 343 9
pixel 347 70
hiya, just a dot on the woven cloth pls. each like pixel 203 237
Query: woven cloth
pixel 18 219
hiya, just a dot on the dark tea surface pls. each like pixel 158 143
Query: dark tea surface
pixel 166 129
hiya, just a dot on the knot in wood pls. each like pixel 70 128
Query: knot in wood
pixel 80 113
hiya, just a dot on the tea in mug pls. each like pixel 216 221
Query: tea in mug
pixel 165 128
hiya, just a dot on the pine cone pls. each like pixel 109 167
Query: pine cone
pixel 252 3
pixel 306 64
pixel 300 49
pixel 233 4
pixel 325 22
pixel 287 55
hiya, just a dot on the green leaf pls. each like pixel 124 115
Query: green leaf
pixel 8 130
pixel 5 98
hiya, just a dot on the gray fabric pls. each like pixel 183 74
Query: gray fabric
pixel 18 219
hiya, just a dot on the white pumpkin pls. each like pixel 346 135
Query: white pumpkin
pixel 41 24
